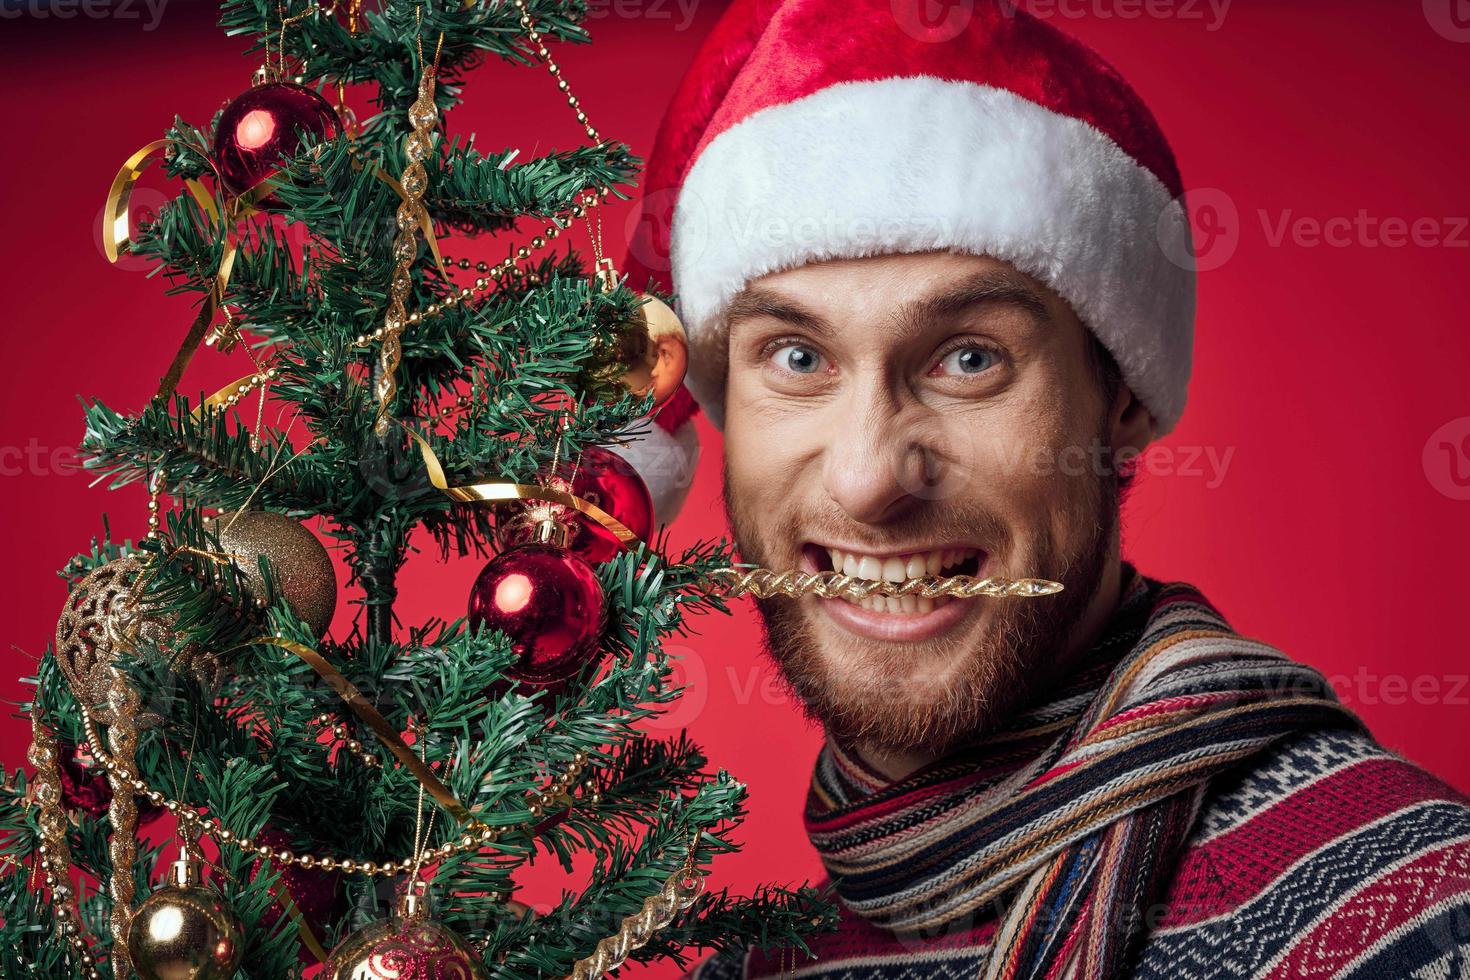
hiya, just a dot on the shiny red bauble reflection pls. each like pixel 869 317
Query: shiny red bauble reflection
pixel 608 480
pixel 259 130
pixel 550 604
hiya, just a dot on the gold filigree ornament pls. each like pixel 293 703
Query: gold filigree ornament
pixel 104 620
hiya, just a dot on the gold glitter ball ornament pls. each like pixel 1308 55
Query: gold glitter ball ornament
pixel 185 931
pixel 104 621
pixel 300 567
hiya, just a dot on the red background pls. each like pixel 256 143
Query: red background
pixel 1325 369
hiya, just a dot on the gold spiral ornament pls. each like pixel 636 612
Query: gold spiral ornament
pixel 122 812
pixel 763 583
pixel 55 854
pixel 417 146
pixel 677 894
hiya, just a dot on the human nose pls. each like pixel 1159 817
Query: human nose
pixel 878 456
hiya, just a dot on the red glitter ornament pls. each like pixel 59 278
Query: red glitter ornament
pixel 608 480
pixel 318 895
pixel 550 604
pixel 259 130
pixel 84 785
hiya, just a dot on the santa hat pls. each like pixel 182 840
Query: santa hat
pixel 809 130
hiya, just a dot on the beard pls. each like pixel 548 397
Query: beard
pixel 895 701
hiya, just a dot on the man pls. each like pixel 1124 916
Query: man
pixel 931 301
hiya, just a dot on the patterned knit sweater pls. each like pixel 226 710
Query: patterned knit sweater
pixel 1325 856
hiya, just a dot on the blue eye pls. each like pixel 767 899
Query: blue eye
pixel 967 360
pixel 798 359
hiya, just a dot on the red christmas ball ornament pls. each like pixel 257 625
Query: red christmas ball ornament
pixel 317 895
pixel 550 604
pixel 260 129
pixel 608 480
pixel 84 784
pixel 408 945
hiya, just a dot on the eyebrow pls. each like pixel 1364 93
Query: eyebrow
pixel 1000 288
pixel 754 303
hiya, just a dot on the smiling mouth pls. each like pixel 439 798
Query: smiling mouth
pixel 896 567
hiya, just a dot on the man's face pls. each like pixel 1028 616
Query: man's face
pixel 917 414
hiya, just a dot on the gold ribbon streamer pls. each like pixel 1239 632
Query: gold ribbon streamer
pixel 238 388
pixel 360 706
pixel 506 492
pixel 117 239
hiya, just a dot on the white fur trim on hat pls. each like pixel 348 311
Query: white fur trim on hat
pixel 919 164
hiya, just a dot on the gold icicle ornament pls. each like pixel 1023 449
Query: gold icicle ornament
pixel 422 115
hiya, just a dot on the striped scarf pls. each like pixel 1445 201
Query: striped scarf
pixel 1068 820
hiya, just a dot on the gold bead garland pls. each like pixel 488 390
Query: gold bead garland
pixel 764 583
pixel 341 733
pixel 529 27
pixel 506 266
pixel 477 834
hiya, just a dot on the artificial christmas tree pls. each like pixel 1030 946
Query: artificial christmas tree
pixel 330 780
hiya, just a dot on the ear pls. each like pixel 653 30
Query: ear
pixel 1132 427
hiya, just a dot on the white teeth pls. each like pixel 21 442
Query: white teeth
pixel 899 569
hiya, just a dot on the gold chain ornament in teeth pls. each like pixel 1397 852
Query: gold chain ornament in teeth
pixel 764 583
